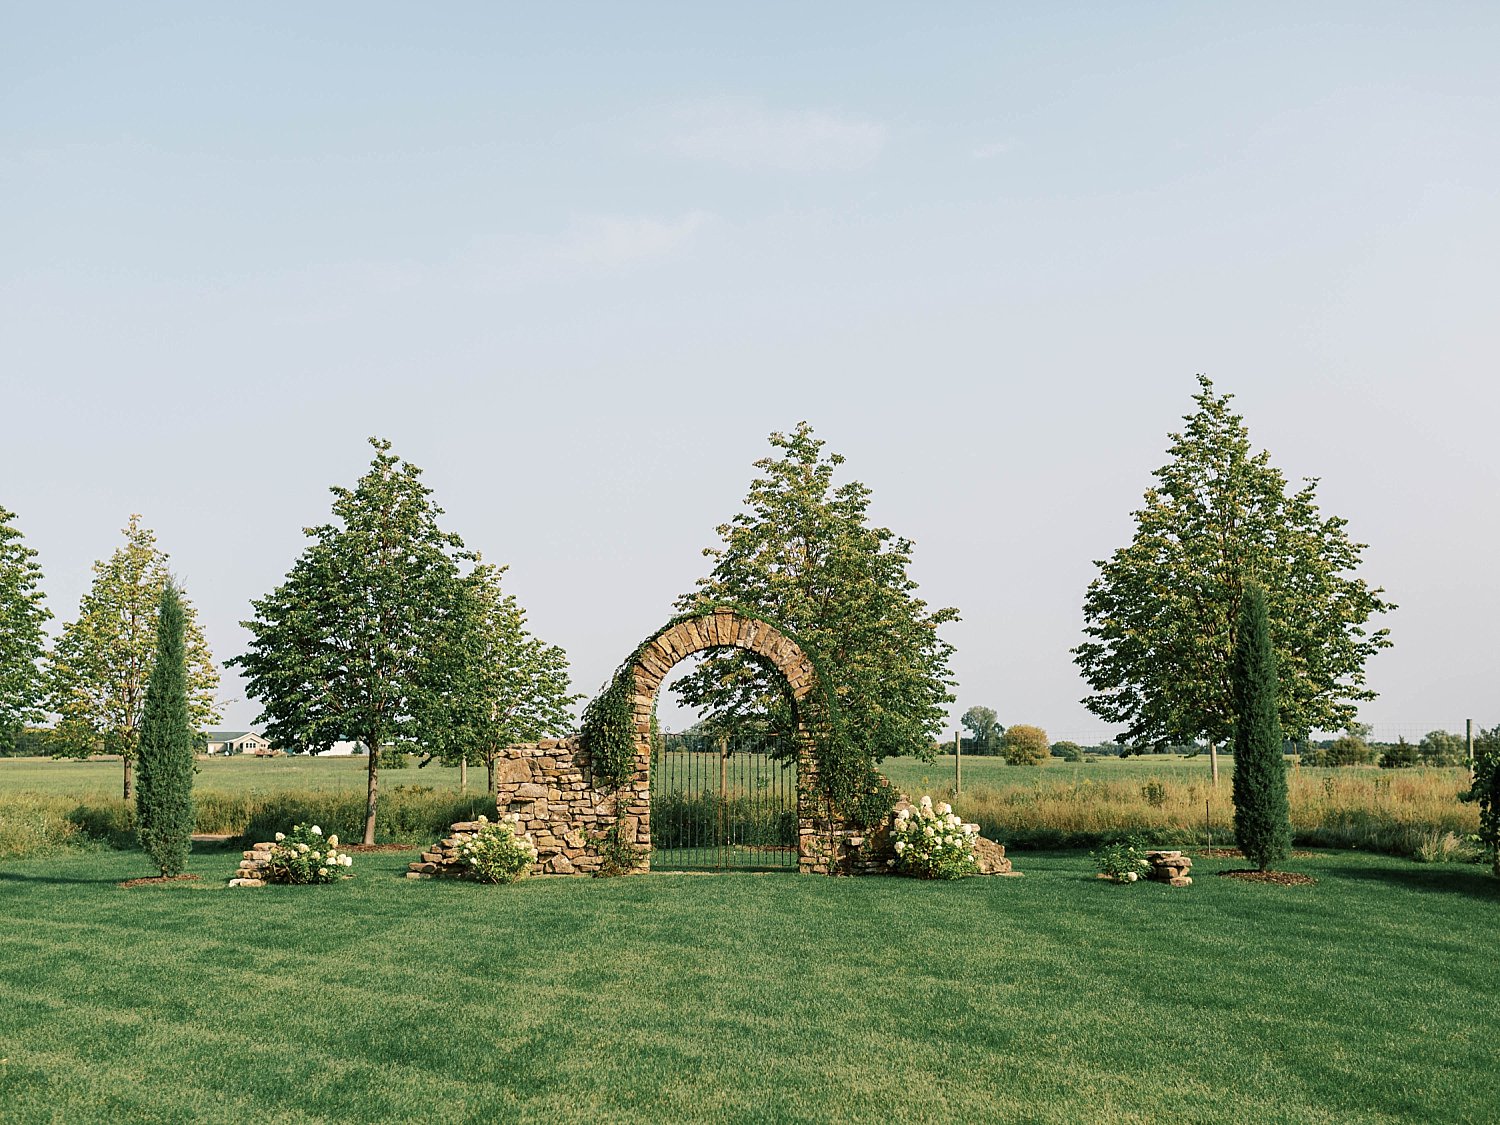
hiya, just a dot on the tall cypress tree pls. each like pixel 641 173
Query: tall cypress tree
pixel 164 792
pixel 1262 822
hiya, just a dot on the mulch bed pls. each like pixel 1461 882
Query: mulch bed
pixel 379 847
pixel 1280 878
pixel 1235 853
pixel 154 879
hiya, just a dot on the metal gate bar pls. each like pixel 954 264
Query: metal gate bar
pixel 718 805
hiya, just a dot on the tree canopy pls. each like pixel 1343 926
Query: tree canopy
pixel 356 642
pixel 97 670
pixel 507 685
pixel 23 642
pixel 804 553
pixel 984 725
pixel 1162 615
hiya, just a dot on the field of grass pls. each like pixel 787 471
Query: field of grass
pixel 1370 997
pixel 48 804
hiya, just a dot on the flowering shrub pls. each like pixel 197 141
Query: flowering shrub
pixel 304 856
pixel 498 853
pixel 932 843
pixel 1122 861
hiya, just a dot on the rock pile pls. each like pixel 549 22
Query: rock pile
pixel 1171 868
pixel 252 869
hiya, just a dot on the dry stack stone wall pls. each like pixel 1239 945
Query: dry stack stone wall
pixel 548 787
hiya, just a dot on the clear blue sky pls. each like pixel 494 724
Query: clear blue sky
pixel 577 261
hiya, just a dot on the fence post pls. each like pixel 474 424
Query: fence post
pixel 958 769
pixel 1469 738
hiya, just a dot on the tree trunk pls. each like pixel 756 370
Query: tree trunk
pixel 1213 762
pixel 129 778
pixel 373 746
pixel 489 762
pixel 463 774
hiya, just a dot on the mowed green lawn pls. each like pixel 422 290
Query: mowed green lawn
pixel 1055 997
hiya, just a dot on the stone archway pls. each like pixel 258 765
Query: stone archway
pixel 726 627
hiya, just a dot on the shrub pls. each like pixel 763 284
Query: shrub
pixel 1025 745
pixel 1350 750
pixel 1067 751
pixel 304 856
pixel 1122 861
pixel 1403 755
pixel 932 843
pixel 1154 793
pixel 497 853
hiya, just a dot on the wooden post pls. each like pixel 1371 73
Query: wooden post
pixel 463 775
pixel 958 769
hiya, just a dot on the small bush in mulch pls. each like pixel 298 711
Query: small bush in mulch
pixel 154 879
pixel 1281 878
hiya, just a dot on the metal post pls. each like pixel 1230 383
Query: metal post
pixel 958 769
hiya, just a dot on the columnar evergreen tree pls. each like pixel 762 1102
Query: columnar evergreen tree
pixel 355 644
pixel 1162 614
pixel 508 686
pixel 22 640
pixel 804 554
pixel 1262 821
pixel 98 668
pixel 164 796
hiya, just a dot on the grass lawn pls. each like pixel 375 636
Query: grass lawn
pixel 1051 998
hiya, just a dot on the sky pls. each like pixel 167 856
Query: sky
pixel 578 261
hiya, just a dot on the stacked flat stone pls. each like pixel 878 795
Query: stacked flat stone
pixel 252 869
pixel 1171 868
pixel 444 860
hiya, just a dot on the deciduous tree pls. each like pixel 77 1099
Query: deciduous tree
pixel 164 798
pixel 803 552
pixel 22 639
pixel 97 670
pixel 354 644
pixel 1262 820
pixel 984 725
pixel 508 686
pixel 1025 745
pixel 1161 617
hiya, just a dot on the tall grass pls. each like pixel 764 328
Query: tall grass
pixel 1385 811
pixel 39 824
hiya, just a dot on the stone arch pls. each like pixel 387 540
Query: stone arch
pixel 728 627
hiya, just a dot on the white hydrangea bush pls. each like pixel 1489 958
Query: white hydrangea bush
pixel 305 856
pixel 499 852
pixel 932 842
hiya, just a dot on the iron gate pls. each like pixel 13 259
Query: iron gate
pixel 718 804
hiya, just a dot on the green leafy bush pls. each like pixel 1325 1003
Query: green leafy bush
pixel 498 852
pixel 932 842
pixel 1122 861
pixel 306 856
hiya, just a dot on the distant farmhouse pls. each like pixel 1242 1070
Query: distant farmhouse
pixel 237 742
pixel 248 742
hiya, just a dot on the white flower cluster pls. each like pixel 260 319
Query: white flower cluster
pixel 932 841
